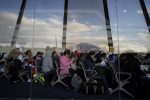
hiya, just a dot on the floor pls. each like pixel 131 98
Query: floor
pixel 34 91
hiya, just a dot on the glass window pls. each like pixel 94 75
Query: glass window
pixel 130 25
pixel 8 16
pixel 25 34
pixel 86 25
pixel 9 12
pixel 113 22
pixel 42 24
pixel 48 23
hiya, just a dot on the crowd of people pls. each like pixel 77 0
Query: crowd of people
pixel 70 63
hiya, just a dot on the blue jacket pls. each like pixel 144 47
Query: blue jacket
pixel 88 64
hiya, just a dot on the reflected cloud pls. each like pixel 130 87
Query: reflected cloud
pixel 77 27
pixel 49 30
pixel 139 11
pixel 45 29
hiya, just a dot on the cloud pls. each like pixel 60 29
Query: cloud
pixel 139 11
pixel 77 27
pixel 145 37
pixel 138 42
pixel 45 30
pixel 44 33
pixel 48 30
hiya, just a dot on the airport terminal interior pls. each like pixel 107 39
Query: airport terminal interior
pixel 75 49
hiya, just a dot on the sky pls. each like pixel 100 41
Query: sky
pixel 42 23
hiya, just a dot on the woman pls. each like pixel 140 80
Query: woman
pixel 91 63
pixel 65 62
pixel 15 57
pixel 28 60
pixel 55 57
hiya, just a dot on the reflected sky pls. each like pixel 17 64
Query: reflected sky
pixel 86 23
pixel 128 22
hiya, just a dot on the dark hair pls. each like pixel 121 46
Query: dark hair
pixel 147 56
pixel 72 54
pixel 98 55
pixel 27 52
pixel 38 53
pixel 103 54
pixel 67 51
pixel 89 54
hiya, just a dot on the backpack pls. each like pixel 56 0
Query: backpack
pixel 76 82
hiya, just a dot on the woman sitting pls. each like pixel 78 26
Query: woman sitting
pixel 65 62
pixel 90 63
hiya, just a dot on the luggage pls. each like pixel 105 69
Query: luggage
pixel 94 86
pixel 76 82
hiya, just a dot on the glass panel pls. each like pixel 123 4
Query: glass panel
pixel 133 32
pixel 8 16
pixel 132 26
pixel 25 34
pixel 132 36
pixel 86 25
pixel 11 74
pixel 48 28
pixel 113 23
pixel 48 23
pixel 25 40
pixel 113 15
pixel 42 25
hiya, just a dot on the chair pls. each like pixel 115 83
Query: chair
pixel 21 74
pixel 4 71
pixel 39 75
pixel 89 77
pixel 60 77
pixel 121 82
pixel 86 75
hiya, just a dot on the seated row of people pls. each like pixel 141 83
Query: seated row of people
pixel 18 60
pixel 66 61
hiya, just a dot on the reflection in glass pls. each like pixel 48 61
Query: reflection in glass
pixel 8 16
pixel 48 23
pixel 86 23
pixel 133 32
pixel 25 35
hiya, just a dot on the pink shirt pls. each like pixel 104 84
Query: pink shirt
pixel 65 63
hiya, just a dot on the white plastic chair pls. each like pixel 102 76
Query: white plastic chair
pixel 121 83
pixel 60 77
pixel 39 75
pixel 4 72
pixel 87 78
